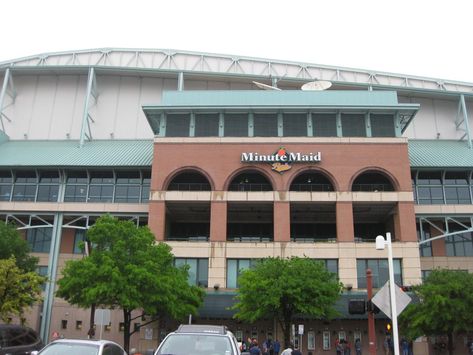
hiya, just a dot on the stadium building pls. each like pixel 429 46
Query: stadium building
pixel 227 173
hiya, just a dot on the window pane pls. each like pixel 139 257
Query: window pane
pixel 429 178
pixel 324 125
pixel 203 273
pixel 206 125
pixel 456 178
pixel 236 125
pixel 128 177
pixel 77 177
pixel 353 125
pixel 39 239
pixel 232 273
pixel 49 177
pixel 78 238
pixel 382 125
pixel 26 177
pixel 5 192
pixel 177 125
pixel 75 193
pixel 48 193
pixel 265 125
pixel 5 177
pixel 295 125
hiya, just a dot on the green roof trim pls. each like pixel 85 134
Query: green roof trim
pixel 440 154
pixel 109 153
pixel 3 137
pixel 286 98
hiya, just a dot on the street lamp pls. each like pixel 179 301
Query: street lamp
pixel 380 244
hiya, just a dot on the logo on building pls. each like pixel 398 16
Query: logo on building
pixel 281 160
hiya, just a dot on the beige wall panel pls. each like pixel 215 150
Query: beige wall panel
pixel 218 85
pixel 190 84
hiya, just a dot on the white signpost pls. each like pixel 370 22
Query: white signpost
pixel 382 300
pixel 102 317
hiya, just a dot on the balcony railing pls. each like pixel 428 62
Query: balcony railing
pixel 311 187
pixel 190 238
pixel 372 187
pixel 189 187
pixel 300 239
pixel 250 187
pixel 250 239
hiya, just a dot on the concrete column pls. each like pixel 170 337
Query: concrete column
pixel 282 221
pixel 345 227
pixel 157 219
pixel 218 221
pixel 405 222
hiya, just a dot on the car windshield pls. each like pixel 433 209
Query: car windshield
pixel 195 344
pixel 70 349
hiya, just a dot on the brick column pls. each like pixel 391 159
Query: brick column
pixel 438 246
pixel 157 218
pixel 345 228
pixel 282 222
pixel 218 221
pixel 405 222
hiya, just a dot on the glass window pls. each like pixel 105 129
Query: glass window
pixel 79 237
pixel 236 125
pixel 235 267
pixel 379 268
pixel 456 187
pixel 265 125
pixel 128 186
pixel 39 239
pixel 382 125
pixel 324 124
pixel 177 125
pixel 460 244
pixel 295 125
pixel 101 186
pixel 426 248
pixel 425 274
pixel 42 271
pixel 206 125
pixel 6 184
pixel 48 189
pixel 353 125
pixel 24 188
pixel 145 188
pixel 198 270
pixel 76 186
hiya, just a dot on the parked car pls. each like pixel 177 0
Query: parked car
pixel 199 340
pixel 17 339
pixel 81 347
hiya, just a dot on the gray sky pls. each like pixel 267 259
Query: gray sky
pixel 415 37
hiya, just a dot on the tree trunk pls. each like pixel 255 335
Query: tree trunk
pixel 91 331
pixel 126 330
pixel 450 343
pixel 287 332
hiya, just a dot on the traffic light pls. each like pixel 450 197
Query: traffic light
pixel 356 306
pixel 388 328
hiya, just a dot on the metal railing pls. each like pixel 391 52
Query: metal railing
pixel 250 187
pixel 311 187
pixel 250 239
pixel 372 187
pixel 190 238
pixel 189 186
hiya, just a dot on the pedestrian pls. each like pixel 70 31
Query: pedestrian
pixel 470 347
pixel 347 347
pixel 265 348
pixel 288 350
pixel 387 345
pixel 358 346
pixel 404 346
pixel 339 347
pixel 296 351
pixel 276 347
pixel 254 348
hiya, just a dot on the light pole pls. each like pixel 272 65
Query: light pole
pixel 380 244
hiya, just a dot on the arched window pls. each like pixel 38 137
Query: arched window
pixel 311 181
pixel 189 181
pixel 250 181
pixel 372 181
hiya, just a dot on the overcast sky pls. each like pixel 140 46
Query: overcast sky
pixel 415 37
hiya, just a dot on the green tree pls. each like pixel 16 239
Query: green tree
pixel 19 289
pixel 281 288
pixel 12 244
pixel 127 269
pixel 444 306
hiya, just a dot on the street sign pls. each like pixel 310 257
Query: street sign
pixel 102 316
pixel 382 299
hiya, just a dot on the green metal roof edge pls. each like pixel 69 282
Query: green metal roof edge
pixel 288 98
pixel 67 153
pixel 440 153
pixel 3 137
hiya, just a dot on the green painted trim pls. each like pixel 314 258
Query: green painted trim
pixel 251 124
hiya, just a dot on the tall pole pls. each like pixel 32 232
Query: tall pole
pixel 392 291
pixel 371 329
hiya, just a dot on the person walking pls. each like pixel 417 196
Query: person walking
pixel 404 346
pixel 296 351
pixel 254 348
pixel 276 347
pixel 288 350
pixel 358 346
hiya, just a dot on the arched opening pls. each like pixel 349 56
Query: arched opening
pixel 189 181
pixel 372 181
pixel 311 181
pixel 250 181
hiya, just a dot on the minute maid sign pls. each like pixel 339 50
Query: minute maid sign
pixel 281 160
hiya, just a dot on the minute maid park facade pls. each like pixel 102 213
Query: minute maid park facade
pixel 227 173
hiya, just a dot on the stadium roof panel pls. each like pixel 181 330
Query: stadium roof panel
pixel 168 60
pixel 110 153
pixel 432 154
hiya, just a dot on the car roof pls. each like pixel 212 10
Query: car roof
pixel 86 341
pixel 202 328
